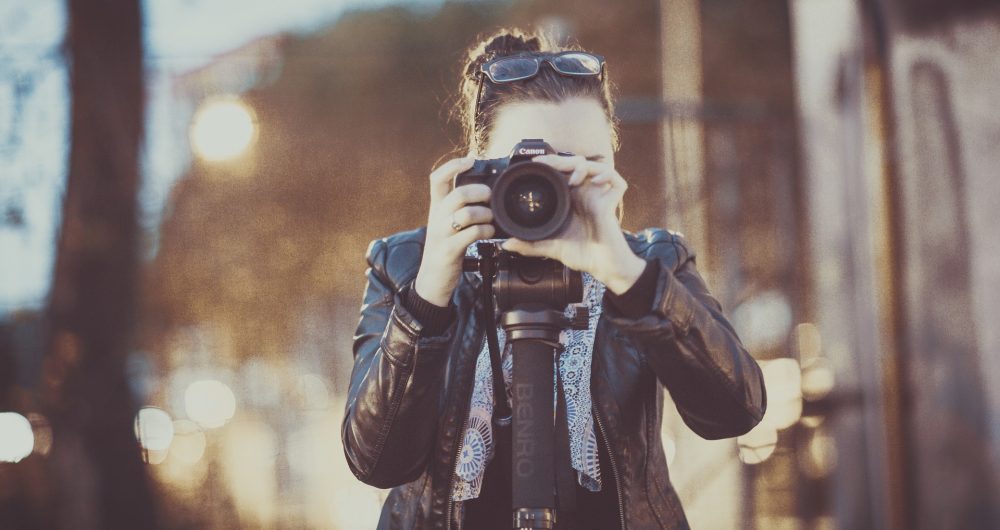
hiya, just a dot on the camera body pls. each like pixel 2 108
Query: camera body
pixel 530 200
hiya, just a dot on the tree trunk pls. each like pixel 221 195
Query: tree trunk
pixel 97 473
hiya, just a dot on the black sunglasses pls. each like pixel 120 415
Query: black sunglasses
pixel 519 67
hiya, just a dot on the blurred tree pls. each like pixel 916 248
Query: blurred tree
pixel 96 471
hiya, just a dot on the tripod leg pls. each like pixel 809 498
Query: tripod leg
pixel 532 459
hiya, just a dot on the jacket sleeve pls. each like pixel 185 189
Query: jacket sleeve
pixel 717 386
pixel 396 385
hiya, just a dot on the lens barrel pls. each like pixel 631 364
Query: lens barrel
pixel 530 201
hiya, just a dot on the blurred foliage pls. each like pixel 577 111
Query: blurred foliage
pixel 349 131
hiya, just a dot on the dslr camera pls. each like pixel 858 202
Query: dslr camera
pixel 530 200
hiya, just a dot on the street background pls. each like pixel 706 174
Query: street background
pixel 187 190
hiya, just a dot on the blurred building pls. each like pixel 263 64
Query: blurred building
pixel 895 100
pixel 847 188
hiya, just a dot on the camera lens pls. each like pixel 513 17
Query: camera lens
pixel 531 201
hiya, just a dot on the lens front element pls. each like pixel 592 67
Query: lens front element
pixel 531 201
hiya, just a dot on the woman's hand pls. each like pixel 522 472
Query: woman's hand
pixel 444 248
pixel 593 241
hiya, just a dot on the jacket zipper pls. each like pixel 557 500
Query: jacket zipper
pixel 614 466
pixel 461 433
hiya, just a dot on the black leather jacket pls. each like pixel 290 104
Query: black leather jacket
pixel 409 394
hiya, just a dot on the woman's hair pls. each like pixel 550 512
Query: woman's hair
pixel 548 85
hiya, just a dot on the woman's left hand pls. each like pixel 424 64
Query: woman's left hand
pixel 593 241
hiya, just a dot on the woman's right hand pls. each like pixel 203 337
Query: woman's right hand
pixel 444 248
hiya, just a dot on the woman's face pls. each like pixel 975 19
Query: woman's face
pixel 576 125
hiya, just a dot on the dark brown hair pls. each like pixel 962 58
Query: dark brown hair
pixel 548 85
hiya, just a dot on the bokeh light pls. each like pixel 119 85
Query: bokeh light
pixel 783 379
pixel 223 129
pixel 16 438
pixel 185 466
pixel 43 433
pixel 155 456
pixel 764 321
pixel 249 461
pixel 189 442
pixel 808 339
pixel 670 449
pixel 817 379
pixel 819 456
pixel 210 403
pixel 154 428
pixel 812 421
pixel 312 392
pixel 357 508
pixel 757 445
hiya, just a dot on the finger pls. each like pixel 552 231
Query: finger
pixel 470 215
pixel 465 194
pixel 442 177
pixel 606 185
pixel 559 162
pixel 579 174
pixel 543 248
pixel 470 234
pixel 525 248
pixel 585 169
pixel 610 179
pixel 601 178
pixel 581 167
pixel 618 181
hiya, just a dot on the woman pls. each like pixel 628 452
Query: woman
pixel 420 403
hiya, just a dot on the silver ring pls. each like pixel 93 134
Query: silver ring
pixel 455 226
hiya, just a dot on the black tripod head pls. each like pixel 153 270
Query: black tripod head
pixel 514 280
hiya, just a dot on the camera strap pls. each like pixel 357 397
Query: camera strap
pixel 501 412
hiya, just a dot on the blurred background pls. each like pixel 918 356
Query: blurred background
pixel 187 189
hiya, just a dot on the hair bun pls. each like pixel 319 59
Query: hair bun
pixel 509 44
pixel 502 44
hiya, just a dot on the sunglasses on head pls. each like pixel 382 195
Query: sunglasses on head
pixel 519 67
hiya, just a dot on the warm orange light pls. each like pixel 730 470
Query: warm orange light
pixel 223 129
pixel 189 442
pixel 154 428
pixel 783 379
pixel 757 445
pixel 210 403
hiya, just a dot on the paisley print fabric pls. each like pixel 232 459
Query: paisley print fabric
pixel 574 364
